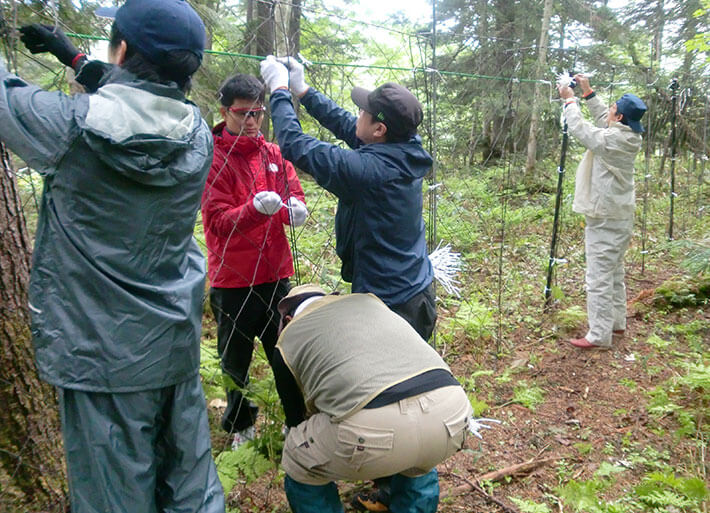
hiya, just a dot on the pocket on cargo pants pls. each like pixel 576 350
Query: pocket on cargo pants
pixel 303 457
pixel 457 426
pixel 363 445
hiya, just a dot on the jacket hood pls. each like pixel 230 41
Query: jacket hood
pixel 410 156
pixel 146 131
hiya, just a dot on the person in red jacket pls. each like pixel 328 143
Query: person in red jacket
pixel 250 194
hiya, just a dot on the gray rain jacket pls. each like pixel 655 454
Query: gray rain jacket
pixel 117 278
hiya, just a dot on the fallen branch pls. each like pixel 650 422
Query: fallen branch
pixel 497 475
pixel 470 485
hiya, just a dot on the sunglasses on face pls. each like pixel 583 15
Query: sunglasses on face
pixel 248 112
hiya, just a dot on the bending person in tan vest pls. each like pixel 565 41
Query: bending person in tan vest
pixel 365 396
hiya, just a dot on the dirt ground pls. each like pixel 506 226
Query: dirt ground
pixel 591 411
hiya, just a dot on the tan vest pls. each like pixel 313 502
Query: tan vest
pixel 345 350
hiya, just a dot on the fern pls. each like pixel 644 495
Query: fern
pixel 697 259
pixel 666 498
pixel 662 489
pixel 528 395
pixel 582 496
pixel 606 469
pixel 698 377
pixel 246 462
pixel 210 370
pixel 474 318
pixel 528 506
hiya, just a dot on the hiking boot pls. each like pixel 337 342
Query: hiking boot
pixel 375 500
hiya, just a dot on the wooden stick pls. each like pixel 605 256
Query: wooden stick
pixel 497 475
pixel 474 486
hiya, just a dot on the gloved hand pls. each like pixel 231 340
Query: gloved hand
pixel 297 211
pixel 274 73
pixel 296 81
pixel 45 38
pixel 267 202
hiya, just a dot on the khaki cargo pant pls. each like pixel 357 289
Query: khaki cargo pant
pixel 408 437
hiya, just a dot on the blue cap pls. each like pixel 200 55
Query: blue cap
pixel 158 26
pixel 633 109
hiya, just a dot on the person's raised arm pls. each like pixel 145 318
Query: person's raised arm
pixel 37 125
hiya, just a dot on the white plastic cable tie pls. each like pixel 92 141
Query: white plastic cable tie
pixel 674 194
pixel 476 425
pixel 306 63
pixel 564 80
pixel 434 186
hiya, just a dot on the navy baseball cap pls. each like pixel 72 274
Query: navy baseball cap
pixel 392 104
pixel 633 109
pixel 158 26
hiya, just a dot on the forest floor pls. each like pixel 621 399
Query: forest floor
pixel 601 430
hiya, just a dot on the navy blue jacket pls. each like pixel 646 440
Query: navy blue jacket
pixel 379 228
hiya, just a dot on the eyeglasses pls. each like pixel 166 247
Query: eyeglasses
pixel 248 112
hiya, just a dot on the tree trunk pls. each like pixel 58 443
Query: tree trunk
pixel 294 28
pixel 541 65
pixel 31 457
pixel 265 37
pixel 658 34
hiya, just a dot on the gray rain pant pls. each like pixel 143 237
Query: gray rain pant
pixel 140 452
pixel 606 241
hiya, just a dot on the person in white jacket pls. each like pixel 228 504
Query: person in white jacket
pixel 604 193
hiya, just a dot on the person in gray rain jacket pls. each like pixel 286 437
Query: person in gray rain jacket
pixel 117 278
pixel 604 193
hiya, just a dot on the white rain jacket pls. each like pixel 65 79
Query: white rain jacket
pixel 604 184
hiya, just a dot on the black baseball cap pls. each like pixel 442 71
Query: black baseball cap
pixel 392 104
pixel 158 26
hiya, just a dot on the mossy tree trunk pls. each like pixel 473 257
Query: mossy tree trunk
pixel 32 472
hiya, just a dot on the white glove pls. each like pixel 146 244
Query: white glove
pixel 267 202
pixel 297 211
pixel 296 83
pixel 274 73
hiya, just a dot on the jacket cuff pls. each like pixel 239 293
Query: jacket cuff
pixel 589 96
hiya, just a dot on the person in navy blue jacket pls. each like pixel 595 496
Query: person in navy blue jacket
pixel 379 229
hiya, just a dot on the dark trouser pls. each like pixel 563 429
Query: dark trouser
pixel 241 315
pixel 420 312
pixel 143 452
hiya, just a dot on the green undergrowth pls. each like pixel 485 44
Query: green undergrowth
pixel 496 336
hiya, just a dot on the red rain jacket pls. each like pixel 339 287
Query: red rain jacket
pixel 245 247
